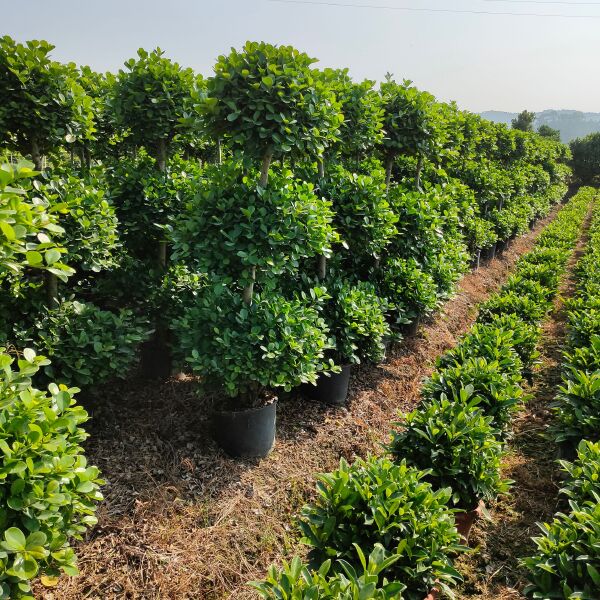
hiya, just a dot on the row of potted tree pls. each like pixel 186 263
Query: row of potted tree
pixel 335 212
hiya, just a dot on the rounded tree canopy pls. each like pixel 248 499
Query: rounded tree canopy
pixel 43 106
pixel 408 118
pixel 152 97
pixel 266 99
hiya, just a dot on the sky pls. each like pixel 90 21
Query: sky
pixel 482 61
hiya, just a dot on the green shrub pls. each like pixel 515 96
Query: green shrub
pixel 377 501
pixel 516 284
pixel 525 337
pixel 489 342
pixel 584 321
pixel 296 581
pixel 512 303
pixel 498 392
pixel 244 349
pixel 546 274
pixel 412 291
pixel 48 492
pixel 567 561
pixel 88 345
pixel 583 483
pixel 577 407
pixel 457 444
pixel 356 319
pixel 586 358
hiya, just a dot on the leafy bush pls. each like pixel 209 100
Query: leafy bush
pixel 87 345
pixel 457 444
pixel 235 226
pixel 525 337
pixel 296 581
pixel 356 319
pixel 567 560
pixel 586 358
pixel 584 320
pixel 411 291
pixel 244 349
pixel 577 407
pixel 495 344
pixel 516 284
pixel 266 99
pixel 362 216
pixel 583 482
pixel 546 274
pixel 512 303
pixel 498 392
pixel 377 501
pixel 48 492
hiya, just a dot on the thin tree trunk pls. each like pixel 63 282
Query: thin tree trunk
pixel 388 173
pixel 249 289
pixel 322 267
pixel 418 174
pixel 219 152
pixel 51 285
pixel 161 155
pixel 36 155
pixel 264 170
pixel 321 167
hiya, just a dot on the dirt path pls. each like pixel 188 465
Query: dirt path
pixel 181 520
pixel 492 572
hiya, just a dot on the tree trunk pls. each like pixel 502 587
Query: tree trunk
pixel 264 170
pixel 219 152
pixel 88 157
pixel 162 255
pixel 321 167
pixel 36 156
pixel 161 155
pixel 322 267
pixel 51 285
pixel 388 173
pixel 249 289
pixel 418 174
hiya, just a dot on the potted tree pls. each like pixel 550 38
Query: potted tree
pixel 152 101
pixel 458 445
pixel 264 102
pixel 356 319
pixel 43 109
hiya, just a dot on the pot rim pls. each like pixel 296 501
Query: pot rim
pixel 244 411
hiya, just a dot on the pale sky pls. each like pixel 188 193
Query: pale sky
pixel 483 61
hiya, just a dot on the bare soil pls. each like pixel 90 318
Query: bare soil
pixel 492 571
pixel 181 520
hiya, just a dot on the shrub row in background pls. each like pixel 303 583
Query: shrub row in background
pixel 446 457
pixel 567 559
pixel 169 187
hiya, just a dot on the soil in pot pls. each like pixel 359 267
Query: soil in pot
pixel 465 520
pixel 332 389
pixel 247 432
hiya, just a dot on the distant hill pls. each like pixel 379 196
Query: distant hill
pixel 571 123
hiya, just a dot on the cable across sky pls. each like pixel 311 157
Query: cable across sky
pixel 438 10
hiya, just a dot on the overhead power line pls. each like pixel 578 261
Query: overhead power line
pixel 562 2
pixel 436 10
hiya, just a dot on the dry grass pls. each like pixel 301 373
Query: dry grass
pixel 493 572
pixel 182 520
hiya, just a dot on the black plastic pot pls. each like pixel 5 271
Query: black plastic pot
pixel 501 246
pixel 332 389
pixel 488 253
pixel 156 361
pixel 411 328
pixel 246 433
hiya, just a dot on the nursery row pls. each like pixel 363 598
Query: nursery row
pixel 388 527
pixel 567 561
pixel 273 199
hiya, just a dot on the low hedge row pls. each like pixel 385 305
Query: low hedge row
pixel 445 459
pixel 566 563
